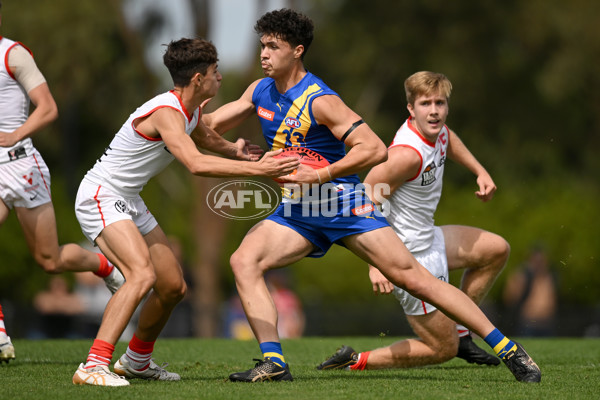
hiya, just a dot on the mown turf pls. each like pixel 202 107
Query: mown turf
pixel 43 370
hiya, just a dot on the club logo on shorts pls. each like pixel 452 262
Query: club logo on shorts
pixel 29 178
pixel 121 206
pixel 32 187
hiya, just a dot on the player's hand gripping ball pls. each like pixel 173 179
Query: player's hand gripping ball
pixel 306 156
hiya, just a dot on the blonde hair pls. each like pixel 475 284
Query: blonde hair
pixel 425 83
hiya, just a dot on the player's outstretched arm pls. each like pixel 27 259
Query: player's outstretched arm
pixel 458 152
pixel 169 125
pixel 206 138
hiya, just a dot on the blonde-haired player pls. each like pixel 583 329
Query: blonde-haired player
pixel 413 173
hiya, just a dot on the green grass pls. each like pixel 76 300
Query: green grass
pixel 43 370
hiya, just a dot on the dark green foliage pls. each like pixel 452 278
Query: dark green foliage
pixel 525 101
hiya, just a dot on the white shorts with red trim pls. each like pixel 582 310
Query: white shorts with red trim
pixel 436 262
pixel 96 207
pixel 25 182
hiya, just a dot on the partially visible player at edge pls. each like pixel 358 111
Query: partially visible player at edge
pixel 296 108
pixel 25 178
pixel 113 215
pixel 414 174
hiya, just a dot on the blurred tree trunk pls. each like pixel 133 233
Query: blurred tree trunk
pixel 209 233
pixel 209 236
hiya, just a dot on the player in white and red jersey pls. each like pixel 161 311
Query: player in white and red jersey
pixel 25 178
pixel 113 215
pixel 411 207
pixel 414 172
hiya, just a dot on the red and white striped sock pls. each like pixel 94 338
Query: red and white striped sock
pixel 462 331
pixel 139 353
pixel 105 266
pixel 100 354
pixel 361 364
pixel 2 327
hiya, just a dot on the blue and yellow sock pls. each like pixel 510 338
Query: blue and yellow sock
pixel 273 351
pixel 500 343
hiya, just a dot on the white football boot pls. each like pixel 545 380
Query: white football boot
pixel 7 350
pixel 98 376
pixel 153 372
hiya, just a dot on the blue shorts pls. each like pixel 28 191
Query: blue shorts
pixel 327 221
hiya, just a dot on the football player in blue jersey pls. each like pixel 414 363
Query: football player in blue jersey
pixel 295 108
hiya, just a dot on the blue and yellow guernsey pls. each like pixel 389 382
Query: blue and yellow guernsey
pixel 287 119
pixel 340 208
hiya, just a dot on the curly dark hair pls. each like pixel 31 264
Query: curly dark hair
pixel 185 57
pixel 287 25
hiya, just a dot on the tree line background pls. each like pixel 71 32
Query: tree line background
pixel 526 101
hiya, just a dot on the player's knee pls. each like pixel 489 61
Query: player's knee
pixel 500 252
pixel 451 349
pixel 505 250
pixel 237 263
pixel 446 353
pixel 445 349
pixel 142 278
pixel 242 265
pixel 148 280
pixel 175 293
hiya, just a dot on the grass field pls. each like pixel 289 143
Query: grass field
pixel 43 370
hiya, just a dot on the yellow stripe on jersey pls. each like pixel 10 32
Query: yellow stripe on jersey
pixel 298 110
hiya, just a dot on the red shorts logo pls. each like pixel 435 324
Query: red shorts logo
pixel 362 210
pixel 266 114
pixel 29 178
